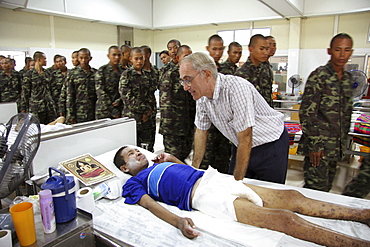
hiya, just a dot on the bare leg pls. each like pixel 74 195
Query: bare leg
pixel 287 222
pixel 294 201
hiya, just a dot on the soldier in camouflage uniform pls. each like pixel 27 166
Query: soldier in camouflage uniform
pixel 81 94
pixel 325 116
pixel 109 103
pixel 49 71
pixel 36 95
pixel 172 46
pixel 152 72
pixel 125 62
pixel 218 147
pixel 58 78
pixel 177 111
pixel 137 90
pixel 272 50
pixel 62 102
pixel 234 51
pixel 229 67
pixel 1 58
pixel 26 67
pixel 74 56
pixel 360 185
pixel 10 83
pixel 165 57
pixel 254 69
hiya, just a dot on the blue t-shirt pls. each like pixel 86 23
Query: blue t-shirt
pixel 166 182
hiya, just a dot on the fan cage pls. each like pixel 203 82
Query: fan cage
pixel 22 142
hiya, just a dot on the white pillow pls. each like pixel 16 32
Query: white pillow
pixel 115 184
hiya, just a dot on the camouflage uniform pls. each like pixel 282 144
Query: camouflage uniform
pixel 22 72
pixel 165 68
pixel 49 71
pixel 137 93
pixel 62 102
pixel 10 87
pixel 57 79
pixel 106 85
pixel 325 115
pixel 360 185
pixel 227 69
pixel 259 76
pixel 81 95
pixel 177 115
pixel 36 96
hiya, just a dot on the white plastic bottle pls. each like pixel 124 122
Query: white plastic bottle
pixel 47 211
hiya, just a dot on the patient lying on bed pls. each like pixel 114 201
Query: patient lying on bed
pixel 171 181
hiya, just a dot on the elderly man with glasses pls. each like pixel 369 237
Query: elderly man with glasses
pixel 235 107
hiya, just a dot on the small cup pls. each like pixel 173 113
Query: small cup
pixel 24 223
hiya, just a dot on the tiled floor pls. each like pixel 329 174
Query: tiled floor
pixel 345 172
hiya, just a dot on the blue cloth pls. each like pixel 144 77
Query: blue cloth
pixel 165 182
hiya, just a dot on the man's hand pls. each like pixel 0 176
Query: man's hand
pixel 114 104
pixel 186 226
pixel 315 158
pixel 145 117
pixel 163 157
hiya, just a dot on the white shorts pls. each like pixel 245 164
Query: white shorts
pixel 217 192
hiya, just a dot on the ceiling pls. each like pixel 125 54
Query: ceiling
pixel 162 14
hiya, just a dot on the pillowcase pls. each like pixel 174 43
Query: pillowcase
pixel 115 184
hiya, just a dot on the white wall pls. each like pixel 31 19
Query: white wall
pixel 132 13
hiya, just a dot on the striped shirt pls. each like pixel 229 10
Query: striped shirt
pixel 236 106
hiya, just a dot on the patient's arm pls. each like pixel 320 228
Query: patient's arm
pixel 185 225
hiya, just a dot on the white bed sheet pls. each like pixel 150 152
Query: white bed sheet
pixel 136 226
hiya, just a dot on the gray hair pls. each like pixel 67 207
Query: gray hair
pixel 200 62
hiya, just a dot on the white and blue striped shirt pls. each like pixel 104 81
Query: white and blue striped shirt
pixel 236 106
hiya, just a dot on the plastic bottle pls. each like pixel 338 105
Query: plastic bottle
pixel 100 191
pixel 47 211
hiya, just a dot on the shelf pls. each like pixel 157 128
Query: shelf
pixel 287 109
pixel 362 109
pixel 285 101
pixel 296 157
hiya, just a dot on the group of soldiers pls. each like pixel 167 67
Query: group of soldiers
pixel 125 87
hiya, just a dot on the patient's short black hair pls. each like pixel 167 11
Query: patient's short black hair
pixel 118 158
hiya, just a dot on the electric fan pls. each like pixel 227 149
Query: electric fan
pixel 359 83
pixel 294 82
pixel 19 142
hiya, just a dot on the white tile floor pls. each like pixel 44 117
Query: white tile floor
pixel 345 172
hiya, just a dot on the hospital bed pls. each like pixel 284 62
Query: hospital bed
pixel 120 224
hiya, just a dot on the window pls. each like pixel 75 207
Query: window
pixel 242 36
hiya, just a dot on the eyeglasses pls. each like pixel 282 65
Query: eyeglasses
pixel 188 82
